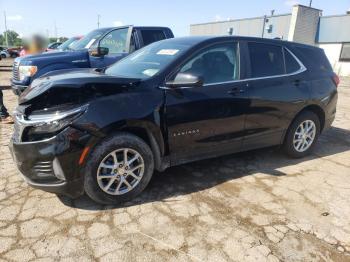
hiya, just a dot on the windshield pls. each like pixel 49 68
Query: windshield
pixel 66 44
pixel 88 40
pixel 147 61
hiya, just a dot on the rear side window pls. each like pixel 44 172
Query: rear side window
pixel 291 64
pixel 150 36
pixel 314 59
pixel 266 60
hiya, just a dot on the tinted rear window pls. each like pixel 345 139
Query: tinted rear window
pixel 291 64
pixel 150 36
pixel 314 59
pixel 266 60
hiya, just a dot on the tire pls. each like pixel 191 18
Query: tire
pixel 3 56
pixel 291 146
pixel 105 154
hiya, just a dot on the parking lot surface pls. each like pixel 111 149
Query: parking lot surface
pixel 255 206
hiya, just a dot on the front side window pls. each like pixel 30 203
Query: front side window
pixel 115 41
pixel 219 63
pixel 266 60
pixel 150 36
pixel 345 52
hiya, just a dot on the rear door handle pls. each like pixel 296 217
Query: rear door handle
pixel 296 82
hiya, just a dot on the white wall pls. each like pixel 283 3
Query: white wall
pixel 333 53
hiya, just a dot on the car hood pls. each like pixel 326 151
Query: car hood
pixel 73 86
pixel 51 56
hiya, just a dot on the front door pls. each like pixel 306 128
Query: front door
pixel 118 44
pixel 209 120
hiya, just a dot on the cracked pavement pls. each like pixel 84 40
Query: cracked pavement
pixel 253 206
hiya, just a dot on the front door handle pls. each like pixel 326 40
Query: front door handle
pixel 236 91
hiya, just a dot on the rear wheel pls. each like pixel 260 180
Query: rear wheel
pixel 118 169
pixel 302 135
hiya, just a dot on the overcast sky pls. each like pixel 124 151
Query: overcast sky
pixel 76 17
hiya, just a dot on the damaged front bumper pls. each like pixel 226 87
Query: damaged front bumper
pixel 52 164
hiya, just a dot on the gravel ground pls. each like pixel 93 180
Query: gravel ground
pixel 255 206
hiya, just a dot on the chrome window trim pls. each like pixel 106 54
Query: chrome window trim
pixel 300 70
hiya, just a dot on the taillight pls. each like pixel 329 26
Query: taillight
pixel 336 80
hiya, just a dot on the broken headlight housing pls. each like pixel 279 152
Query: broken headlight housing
pixel 44 125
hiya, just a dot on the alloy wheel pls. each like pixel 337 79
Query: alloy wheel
pixel 304 136
pixel 120 171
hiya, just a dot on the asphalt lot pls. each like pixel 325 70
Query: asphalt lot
pixel 255 206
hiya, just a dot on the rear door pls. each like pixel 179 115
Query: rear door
pixel 276 90
pixel 209 120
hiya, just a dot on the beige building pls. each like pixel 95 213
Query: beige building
pixel 304 25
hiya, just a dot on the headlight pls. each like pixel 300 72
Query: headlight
pixel 52 126
pixel 50 123
pixel 26 71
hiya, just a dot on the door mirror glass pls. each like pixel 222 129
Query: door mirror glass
pixel 185 80
pixel 98 51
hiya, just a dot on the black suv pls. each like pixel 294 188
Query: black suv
pixel 178 100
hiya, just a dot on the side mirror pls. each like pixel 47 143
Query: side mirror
pixel 185 80
pixel 99 51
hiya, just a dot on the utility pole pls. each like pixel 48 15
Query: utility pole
pixel 263 29
pixel 98 21
pixel 310 4
pixel 7 41
pixel 55 31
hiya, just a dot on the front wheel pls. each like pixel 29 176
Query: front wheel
pixel 118 169
pixel 302 135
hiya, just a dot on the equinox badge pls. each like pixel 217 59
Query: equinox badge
pixel 186 132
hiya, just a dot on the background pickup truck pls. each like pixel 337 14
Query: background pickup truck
pixel 98 49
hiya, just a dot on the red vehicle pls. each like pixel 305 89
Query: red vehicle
pixel 14 52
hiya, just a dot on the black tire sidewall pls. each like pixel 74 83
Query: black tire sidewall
pixel 120 140
pixel 288 143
